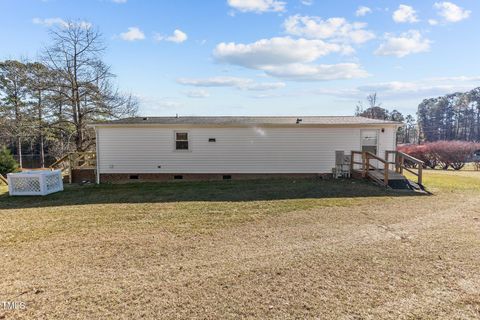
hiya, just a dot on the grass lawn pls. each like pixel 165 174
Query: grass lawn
pixel 244 249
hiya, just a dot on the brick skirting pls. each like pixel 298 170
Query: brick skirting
pixel 154 177
pixel 81 175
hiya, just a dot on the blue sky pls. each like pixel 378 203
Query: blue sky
pixel 267 57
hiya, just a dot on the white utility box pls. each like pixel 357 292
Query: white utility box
pixel 34 183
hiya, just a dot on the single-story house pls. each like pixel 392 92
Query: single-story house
pixel 167 148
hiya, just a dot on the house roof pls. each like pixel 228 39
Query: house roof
pixel 248 121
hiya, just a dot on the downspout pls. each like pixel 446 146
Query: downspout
pixel 97 157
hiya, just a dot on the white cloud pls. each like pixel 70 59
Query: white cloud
pixel 335 29
pixel 257 6
pixel 432 22
pixel 289 58
pixel 407 43
pixel 420 89
pixel 199 93
pixel 153 105
pixel 307 2
pixel 393 86
pixel 178 36
pixel 321 72
pixel 265 86
pixel 340 93
pixel 457 78
pixel 450 12
pixel 215 82
pixel 405 14
pixel 416 89
pixel 133 34
pixel 363 11
pixel 50 22
pixel 234 82
pixel 274 51
pixel 119 1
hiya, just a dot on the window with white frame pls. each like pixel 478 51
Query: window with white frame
pixel 181 141
pixel 369 141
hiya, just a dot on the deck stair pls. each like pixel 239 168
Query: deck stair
pixel 388 171
pixel 74 161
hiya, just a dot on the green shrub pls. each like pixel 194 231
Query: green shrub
pixel 7 162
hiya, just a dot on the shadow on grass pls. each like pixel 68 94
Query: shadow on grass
pixel 235 191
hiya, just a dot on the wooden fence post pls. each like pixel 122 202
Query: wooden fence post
pixel 420 174
pixel 366 164
pixel 402 164
pixel 70 160
pixel 386 167
pixel 352 160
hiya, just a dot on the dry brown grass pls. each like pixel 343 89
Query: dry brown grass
pixel 279 250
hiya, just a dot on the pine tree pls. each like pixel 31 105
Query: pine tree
pixel 7 162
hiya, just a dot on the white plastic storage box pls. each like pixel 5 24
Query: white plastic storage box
pixel 34 183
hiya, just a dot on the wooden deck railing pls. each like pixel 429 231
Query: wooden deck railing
pixel 394 161
pixel 384 163
pixel 3 179
pixel 75 160
pixel 59 163
pixel 354 162
pixel 366 165
pixel 398 162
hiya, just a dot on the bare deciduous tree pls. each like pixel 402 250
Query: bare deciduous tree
pixel 83 80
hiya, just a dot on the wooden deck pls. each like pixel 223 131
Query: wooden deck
pixel 75 162
pixel 379 170
pixel 380 174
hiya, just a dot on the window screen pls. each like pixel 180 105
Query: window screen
pixel 181 140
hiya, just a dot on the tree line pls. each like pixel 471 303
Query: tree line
pixel 451 117
pixel 45 105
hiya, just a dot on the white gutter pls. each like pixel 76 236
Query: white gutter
pixel 97 158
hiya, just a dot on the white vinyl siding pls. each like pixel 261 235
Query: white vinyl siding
pixel 236 150
pixel 387 140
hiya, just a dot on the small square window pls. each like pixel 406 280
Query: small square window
pixel 181 141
